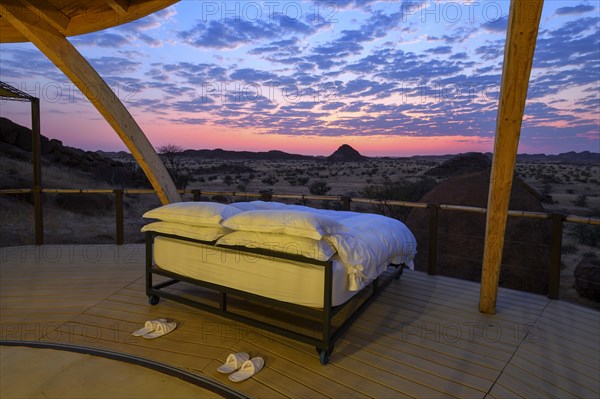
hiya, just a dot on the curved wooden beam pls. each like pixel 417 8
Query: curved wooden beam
pixel 523 26
pixel 73 18
pixel 66 57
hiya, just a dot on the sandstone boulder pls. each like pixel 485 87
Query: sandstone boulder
pixel 526 256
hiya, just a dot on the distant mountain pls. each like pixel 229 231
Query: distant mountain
pixel 219 153
pixel 577 157
pixel 566 157
pixel 346 154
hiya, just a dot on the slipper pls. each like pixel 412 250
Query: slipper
pixel 234 362
pixel 248 369
pixel 148 327
pixel 162 328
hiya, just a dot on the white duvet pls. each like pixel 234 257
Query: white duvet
pixel 366 244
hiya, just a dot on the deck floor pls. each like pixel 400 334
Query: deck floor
pixel 423 338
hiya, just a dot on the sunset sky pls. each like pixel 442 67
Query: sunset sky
pixel 387 77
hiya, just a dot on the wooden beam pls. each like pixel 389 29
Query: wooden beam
pixel 523 25
pixel 49 13
pixel 62 53
pixel 120 6
pixel 87 16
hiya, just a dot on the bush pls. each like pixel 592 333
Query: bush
pixel 581 201
pixel 587 234
pixel 319 188
pixel 569 249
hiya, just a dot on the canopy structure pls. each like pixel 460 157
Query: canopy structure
pixel 46 23
pixel 10 93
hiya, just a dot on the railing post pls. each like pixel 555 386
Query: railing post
pixel 555 255
pixel 266 197
pixel 38 216
pixel 346 202
pixel 119 215
pixel 36 151
pixel 197 194
pixel 433 239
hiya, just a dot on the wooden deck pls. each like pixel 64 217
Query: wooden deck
pixel 423 338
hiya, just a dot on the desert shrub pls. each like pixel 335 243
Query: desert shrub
pixel 590 254
pixel 587 234
pixel 302 181
pixel 569 249
pixel 581 201
pixel 319 188
pixel 269 180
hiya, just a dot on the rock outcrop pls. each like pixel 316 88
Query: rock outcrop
pixel 526 255
pixel 460 165
pixel 587 278
pixel 15 141
pixel 346 154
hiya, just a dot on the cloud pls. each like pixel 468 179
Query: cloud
pixel 440 50
pixel 101 39
pixel 234 32
pixel 497 25
pixel 114 65
pixel 252 75
pixel 575 10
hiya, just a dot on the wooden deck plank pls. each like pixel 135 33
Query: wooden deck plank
pixel 289 355
pixel 508 387
pixel 422 358
pixel 568 380
pixel 498 391
pixel 404 345
pixel 555 352
pixel 545 390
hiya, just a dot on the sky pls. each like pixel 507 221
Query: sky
pixel 390 78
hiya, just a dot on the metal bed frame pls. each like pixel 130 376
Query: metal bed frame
pixel 329 335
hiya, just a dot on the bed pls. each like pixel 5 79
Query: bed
pixel 300 260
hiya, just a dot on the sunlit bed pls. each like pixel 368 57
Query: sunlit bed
pixel 302 260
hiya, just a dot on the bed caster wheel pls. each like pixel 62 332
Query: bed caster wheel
pixel 153 299
pixel 324 357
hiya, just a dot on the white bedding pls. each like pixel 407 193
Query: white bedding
pixel 365 243
pixel 284 280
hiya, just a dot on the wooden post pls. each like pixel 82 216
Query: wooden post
pixel 523 25
pixel 36 153
pixel 197 194
pixel 66 57
pixel 119 222
pixel 346 202
pixel 555 255
pixel 433 239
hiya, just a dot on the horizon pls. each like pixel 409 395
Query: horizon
pixel 389 79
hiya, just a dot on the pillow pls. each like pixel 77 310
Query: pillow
pixel 259 206
pixel 201 233
pixel 294 245
pixel 294 223
pixel 193 213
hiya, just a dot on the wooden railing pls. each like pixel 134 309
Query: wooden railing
pixel 345 202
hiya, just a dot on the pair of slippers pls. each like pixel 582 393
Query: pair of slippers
pixel 155 328
pixel 241 361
